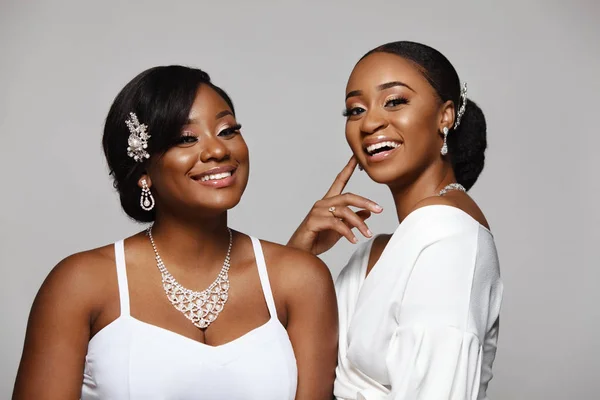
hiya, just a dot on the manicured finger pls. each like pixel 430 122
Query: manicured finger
pixel 342 179
pixel 352 220
pixel 364 214
pixel 350 199
pixel 355 200
pixel 337 225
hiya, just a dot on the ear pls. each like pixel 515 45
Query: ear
pixel 145 177
pixel 447 115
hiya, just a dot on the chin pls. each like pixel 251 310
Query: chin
pixel 220 202
pixel 383 177
pixel 384 172
pixel 220 196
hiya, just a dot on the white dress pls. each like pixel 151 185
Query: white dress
pixel 424 323
pixel 131 359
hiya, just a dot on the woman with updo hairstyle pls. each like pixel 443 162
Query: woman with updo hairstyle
pixel 187 309
pixel 419 309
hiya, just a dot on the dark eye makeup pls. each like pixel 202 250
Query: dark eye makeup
pixel 396 101
pixel 353 111
pixel 188 137
pixel 232 130
pixel 393 102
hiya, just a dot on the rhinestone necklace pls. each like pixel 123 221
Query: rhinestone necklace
pixel 202 308
pixel 452 186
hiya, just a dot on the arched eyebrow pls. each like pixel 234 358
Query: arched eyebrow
pixel 223 114
pixel 381 87
pixel 219 115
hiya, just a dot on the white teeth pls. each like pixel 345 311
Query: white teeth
pixel 373 147
pixel 215 177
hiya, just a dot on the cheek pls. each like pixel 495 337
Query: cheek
pixel 239 149
pixel 169 170
pixel 417 128
pixel 179 160
pixel 353 137
pixel 176 162
pixel 409 121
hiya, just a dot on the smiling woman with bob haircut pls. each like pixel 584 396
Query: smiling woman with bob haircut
pixel 187 309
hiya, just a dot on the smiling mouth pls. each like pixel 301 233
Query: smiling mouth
pixel 216 177
pixel 381 147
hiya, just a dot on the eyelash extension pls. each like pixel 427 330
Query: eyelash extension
pixel 401 100
pixel 184 137
pixel 231 129
pixel 347 112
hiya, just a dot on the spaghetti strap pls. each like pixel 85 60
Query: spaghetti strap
pixel 122 277
pixel 264 276
pixel 133 359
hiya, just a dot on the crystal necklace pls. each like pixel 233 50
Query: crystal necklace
pixel 202 308
pixel 452 186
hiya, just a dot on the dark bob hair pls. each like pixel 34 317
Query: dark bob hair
pixel 161 97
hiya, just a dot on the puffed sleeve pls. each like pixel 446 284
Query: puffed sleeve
pixel 447 322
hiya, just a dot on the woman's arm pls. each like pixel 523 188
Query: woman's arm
pixel 57 335
pixel 448 309
pixel 312 322
pixel 331 218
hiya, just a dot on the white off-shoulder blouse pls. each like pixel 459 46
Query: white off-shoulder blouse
pixel 424 323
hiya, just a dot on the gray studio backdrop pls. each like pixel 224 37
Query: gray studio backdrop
pixel 531 65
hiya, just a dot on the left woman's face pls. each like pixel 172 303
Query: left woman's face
pixel 394 119
pixel 207 171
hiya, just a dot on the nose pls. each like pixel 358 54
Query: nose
pixel 213 149
pixel 373 121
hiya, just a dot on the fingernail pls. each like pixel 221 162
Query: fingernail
pixel 369 233
pixel 354 240
pixel 378 207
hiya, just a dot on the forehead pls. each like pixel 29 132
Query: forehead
pixel 207 103
pixel 379 68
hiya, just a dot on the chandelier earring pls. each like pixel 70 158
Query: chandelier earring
pixel 146 198
pixel 444 150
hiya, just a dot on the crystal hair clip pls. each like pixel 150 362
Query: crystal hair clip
pixel 138 139
pixel 463 106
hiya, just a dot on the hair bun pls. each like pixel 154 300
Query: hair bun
pixel 467 145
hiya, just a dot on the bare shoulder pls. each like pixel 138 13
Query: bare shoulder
pixel 459 200
pixel 83 266
pixel 303 283
pixel 84 275
pixel 58 329
pixel 293 269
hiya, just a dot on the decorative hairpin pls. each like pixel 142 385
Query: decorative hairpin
pixel 463 106
pixel 138 139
